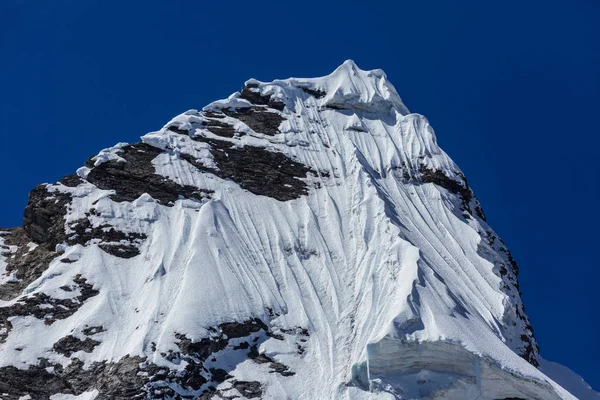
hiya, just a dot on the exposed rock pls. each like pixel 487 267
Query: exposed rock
pixel 71 180
pixel 256 169
pixel 241 329
pixel 70 344
pixel 92 330
pixel 494 250
pixel 26 263
pixel 314 92
pixel 439 178
pixel 259 119
pixel 117 243
pixel 275 366
pixel 177 129
pixel 42 306
pixel 249 389
pixel 219 128
pixel 137 176
pixel 44 216
pixel 251 93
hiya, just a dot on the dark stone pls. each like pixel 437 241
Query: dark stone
pixel 242 346
pixel 460 188
pixel 27 265
pixel 495 251
pixel 219 375
pixel 256 169
pixel 219 128
pixel 479 212
pixel 71 180
pixel 42 306
pixel 276 336
pixel 202 349
pixel 242 329
pixel 248 389
pixel 117 243
pixel 70 344
pixel 281 369
pixel 136 176
pixel 116 380
pixel 314 92
pixel 259 119
pixel 276 367
pixel 439 178
pixel 34 381
pixel 92 330
pixel 44 216
pixel 177 129
pixel 252 94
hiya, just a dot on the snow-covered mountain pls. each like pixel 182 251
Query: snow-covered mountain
pixel 302 239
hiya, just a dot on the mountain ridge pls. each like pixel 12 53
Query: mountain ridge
pixel 324 216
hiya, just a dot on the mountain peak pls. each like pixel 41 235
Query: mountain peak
pixel 300 230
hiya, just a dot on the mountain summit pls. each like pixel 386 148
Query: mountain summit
pixel 302 239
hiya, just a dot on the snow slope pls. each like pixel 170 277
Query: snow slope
pixel 302 239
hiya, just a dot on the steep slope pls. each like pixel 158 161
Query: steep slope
pixel 302 239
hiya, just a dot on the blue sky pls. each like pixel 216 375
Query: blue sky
pixel 511 88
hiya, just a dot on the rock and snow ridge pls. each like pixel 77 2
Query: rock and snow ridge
pixel 302 239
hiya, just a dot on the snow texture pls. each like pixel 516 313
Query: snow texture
pixel 384 281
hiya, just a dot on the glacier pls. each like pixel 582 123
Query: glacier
pixel 301 239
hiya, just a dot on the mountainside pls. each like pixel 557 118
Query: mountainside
pixel 302 239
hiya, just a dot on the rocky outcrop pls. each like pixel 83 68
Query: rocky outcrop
pixel 137 378
pixel 136 176
pixel 259 119
pixel 111 240
pixel 262 172
pixel 44 216
pixel 71 344
pixel 25 264
pixel 251 92
pixel 44 307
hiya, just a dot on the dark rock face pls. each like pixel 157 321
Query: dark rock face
pixel 119 380
pixel 441 179
pixel 506 264
pixel 137 176
pixel 249 389
pixel 257 170
pixel 458 187
pixel 259 119
pixel 219 128
pixel 44 307
pixel 197 376
pixel 509 270
pixel 43 224
pixel 44 216
pixel 27 265
pixel 92 330
pixel 177 129
pixel 135 377
pixel 251 93
pixel 71 180
pixel 314 92
pixel 273 365
pixel 117 243
pixel 70 344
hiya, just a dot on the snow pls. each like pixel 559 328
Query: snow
pixel 91 395
pixel 366 261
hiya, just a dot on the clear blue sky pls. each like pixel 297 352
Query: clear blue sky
pixel 511 88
